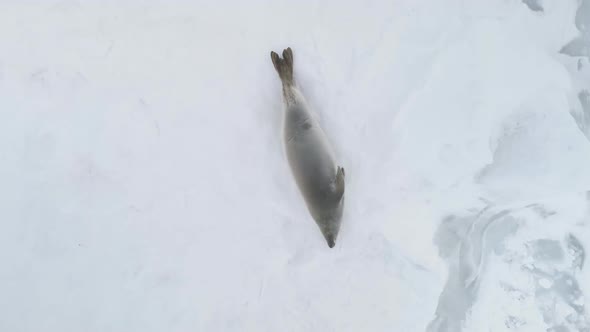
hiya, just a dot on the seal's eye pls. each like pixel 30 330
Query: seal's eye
pixel 306 125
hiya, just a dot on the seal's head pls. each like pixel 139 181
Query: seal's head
pixel 330 232
pixel 330 224
pixel 330 214
pixel 330 238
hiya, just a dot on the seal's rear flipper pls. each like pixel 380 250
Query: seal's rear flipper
pixel 284 66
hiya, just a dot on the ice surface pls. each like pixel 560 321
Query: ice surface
pixel 145 187
pixel 535 5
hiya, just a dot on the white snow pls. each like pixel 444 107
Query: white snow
pixel 145 186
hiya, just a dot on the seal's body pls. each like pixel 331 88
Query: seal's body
pixel 310 156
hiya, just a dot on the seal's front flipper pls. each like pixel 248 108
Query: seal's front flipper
pixel 284 66
pixel 339 183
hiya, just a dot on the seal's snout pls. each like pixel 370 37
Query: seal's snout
pixel 331 241
pixel 330 232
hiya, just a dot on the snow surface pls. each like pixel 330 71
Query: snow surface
pixel 145 188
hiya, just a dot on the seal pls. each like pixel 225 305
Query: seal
pixel 310 155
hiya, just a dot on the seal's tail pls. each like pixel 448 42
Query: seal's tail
pixel 284 66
